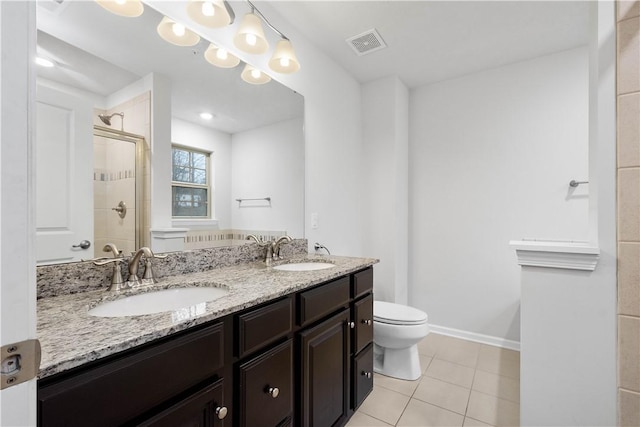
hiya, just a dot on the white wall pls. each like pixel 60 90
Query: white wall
pixel 219 144
pixel 269 162
pixel 385 120
pixel 491 156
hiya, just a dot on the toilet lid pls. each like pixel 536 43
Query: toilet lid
pixel 397 314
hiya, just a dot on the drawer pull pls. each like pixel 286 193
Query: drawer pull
pixel 273 392
pixel 221 412
pixel 366 374
pixel 352 325
pixel 367 322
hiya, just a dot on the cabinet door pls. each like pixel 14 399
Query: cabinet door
pixel 266 383
pixel 324 352
pixel 363 319
pixel 201 409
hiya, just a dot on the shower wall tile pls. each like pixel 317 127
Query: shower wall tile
pixel 629 414
pixel 628 9
pixel 629 55
pixel 628 279
pixel 629 354
pixel 629 205
pixel 628 130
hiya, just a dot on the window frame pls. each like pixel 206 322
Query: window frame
pixel 207 187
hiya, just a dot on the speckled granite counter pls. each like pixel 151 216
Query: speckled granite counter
pixel 70 337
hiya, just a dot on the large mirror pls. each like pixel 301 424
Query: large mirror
pixel 102 110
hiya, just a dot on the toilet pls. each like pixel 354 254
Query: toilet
pixel 397 329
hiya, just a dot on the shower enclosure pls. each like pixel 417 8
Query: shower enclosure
pixel 117 189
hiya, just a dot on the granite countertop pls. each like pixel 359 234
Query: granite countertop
pixel 70 337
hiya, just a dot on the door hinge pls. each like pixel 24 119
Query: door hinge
pixel 19 362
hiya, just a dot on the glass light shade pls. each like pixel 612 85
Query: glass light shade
pixel 128 8
pixel 251 28
pixel 254 76
pixel 166 31
pixel 209 13
pixel 284 59
pixel 216 56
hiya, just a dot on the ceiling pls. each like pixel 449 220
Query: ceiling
pixel 99 52
pixel 429 41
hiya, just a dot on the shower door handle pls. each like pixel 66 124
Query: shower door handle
pixel 85 244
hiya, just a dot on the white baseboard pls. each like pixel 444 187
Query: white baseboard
pixel 472 336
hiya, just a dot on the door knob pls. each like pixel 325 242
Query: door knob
pixel 221 412
pixel 366 374
pixel 85 244
pixel 273 391
pixel 367 322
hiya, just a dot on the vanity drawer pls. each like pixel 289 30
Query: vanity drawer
pixel 362 283
pixel 323 300
pixel 363 319
pixel 362 376
pixel 266 387
pixel 262 326
pixel 121 389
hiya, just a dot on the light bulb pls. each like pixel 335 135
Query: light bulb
pixel 206 116
pixel 222 54
pixel 284 61
pixel 251 39
pixel 121 2
pixel 208 9
pixel 255 73
pixel 178 29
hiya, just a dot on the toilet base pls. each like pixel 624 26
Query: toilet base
pixel 401 363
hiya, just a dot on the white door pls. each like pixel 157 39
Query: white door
pixel 64 179
pixel 17 258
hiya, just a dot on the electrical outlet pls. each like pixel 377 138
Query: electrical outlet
pixel 314 221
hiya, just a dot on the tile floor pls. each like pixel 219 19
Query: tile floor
pixel 463 384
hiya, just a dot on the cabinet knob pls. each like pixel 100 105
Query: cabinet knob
pixel 221 412
pixel 366 374
pixel 273 391
pixel 367 322
pixel 352 325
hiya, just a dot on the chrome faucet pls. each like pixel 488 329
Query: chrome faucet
pixel 273 247
pixel 262 243
pixel 148 277
pixel 117 284
pixel 277 244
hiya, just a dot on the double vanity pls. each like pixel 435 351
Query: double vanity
pixel 288 344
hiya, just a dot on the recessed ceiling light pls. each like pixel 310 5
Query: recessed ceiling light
pixel 206 116
pixel 44 62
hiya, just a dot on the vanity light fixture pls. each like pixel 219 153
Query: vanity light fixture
pixel 220 57
pixel 176 33
pixel 254 76
pixel 211 13
pixel 250 36
pixel 44 62
pixel 284 59
pixel 128 8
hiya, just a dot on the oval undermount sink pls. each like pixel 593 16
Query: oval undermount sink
pixel 304 266
pixel 157 301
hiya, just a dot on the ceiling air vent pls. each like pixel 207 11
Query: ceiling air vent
pixel 367 42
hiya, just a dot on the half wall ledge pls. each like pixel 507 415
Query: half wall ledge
pixel 569 255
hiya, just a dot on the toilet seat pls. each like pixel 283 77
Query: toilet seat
pixel 397 314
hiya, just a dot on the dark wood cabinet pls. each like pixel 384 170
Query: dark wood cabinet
pixel 324 372
pixel 121 389
pixel 266 388
pixel 201 409
pixel 304 359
